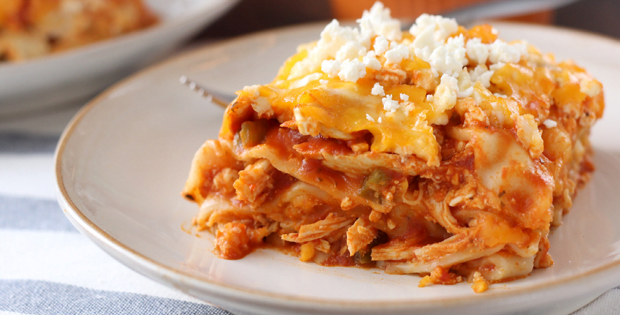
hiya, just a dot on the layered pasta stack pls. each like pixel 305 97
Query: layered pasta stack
pixel 438 151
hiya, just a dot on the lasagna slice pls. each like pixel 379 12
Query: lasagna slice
pixel 33 28
pixel 439 151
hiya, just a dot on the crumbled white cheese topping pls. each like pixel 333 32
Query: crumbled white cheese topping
pixel 500 51
pixel 440 26
pixel 323 81
pixel 481 74
pixel 424 44
pixel 370 118
pixel 350 50
pixel 381 45
pixel 446 93
pixel 430 32
pixel 378 21
pixel 371 61
pixel 477 51
pixel 496 66
pixel 377 89
pixel 334 36
pixel 379 120
pixel 464 79
pixel 449 58
pixel 331 67
pixel 332 40
pixel 448 55
pixel 430 98
pixel 389 104
pixel 352 70
pixel 397 54
pixel 550 123
pixel 347 53
pixel 404 97
pixel 346 45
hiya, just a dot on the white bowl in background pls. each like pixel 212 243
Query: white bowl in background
pixel 81 72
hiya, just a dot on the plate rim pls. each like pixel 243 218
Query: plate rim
pixel 258 297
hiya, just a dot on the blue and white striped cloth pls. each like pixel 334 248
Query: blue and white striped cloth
pixel 47 267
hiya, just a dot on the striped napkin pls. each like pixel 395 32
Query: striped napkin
pixel 47 267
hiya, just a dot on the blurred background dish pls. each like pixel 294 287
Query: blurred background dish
pixel 34 28
pixel 76 74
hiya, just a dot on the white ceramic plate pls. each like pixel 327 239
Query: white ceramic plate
pixel 81 72
pixel 123 160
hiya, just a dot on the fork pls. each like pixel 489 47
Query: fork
pixel 219 99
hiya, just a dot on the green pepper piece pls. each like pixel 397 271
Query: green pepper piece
pixel 253 132
pixel 373 184
pixel 363 257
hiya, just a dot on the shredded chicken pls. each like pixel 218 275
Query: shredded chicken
pixel 254 183
pixel 318 229
pixel 359 235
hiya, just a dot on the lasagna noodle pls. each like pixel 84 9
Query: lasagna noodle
pixel 321 167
